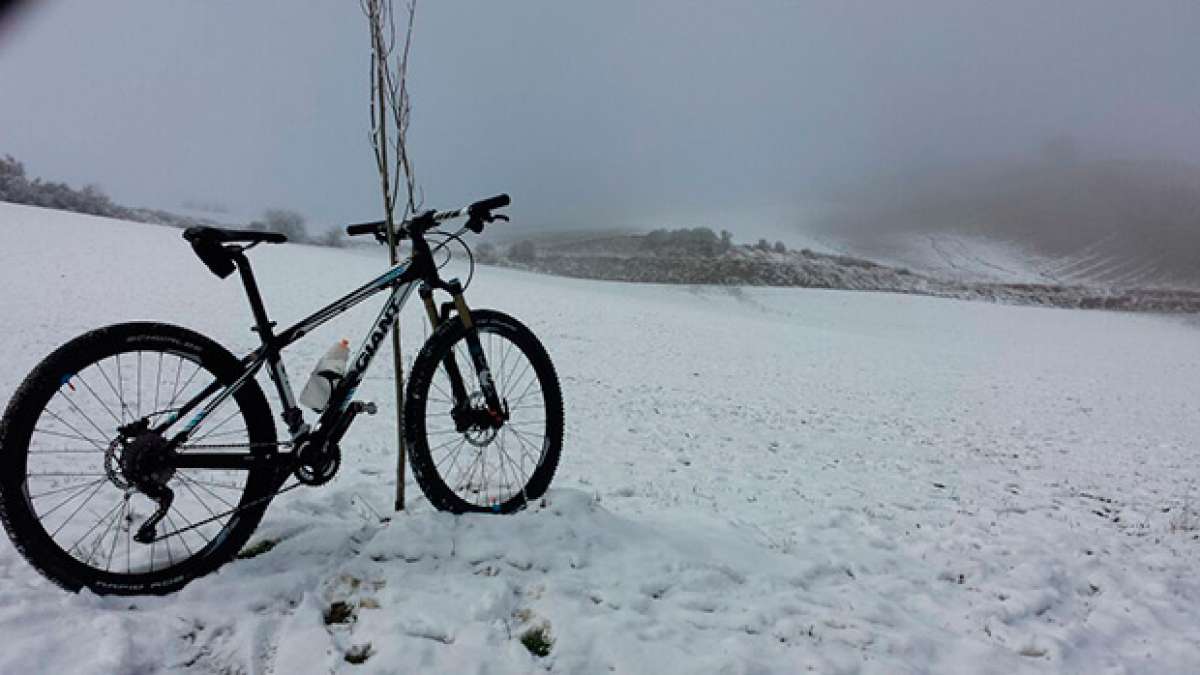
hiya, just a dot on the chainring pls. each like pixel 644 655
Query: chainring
pixel 321 469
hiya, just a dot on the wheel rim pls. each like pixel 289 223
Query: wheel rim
pixel 489 468
pixel 75 485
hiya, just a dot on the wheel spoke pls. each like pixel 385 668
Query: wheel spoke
pixel 520 377
pixel 69 487
pixel 182 539
pixel 78 433
pixel 526 391
pixel 107 528
pixel 441 433
pixel 190 527
pixel 175 384
pixel 98 399
pixel 521 444
pixel 197 481
pixel 223 434
pixel 197 496
pixel 71 403
pixel 449 442
pixel 209 432
pixel 59 434
pixel 116 536
pixel 117 389
pixel 121 387
pixel 158 380
pixel 64 502
pixel 433 382
pixel 457 451
pixel 90 529
pixel 185 384
pixel 523 477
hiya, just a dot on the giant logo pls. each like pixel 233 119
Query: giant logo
pixel 381 329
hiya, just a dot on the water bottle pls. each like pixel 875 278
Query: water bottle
pixel 329 370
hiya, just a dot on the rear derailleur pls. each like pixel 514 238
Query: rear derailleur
pixel 138 460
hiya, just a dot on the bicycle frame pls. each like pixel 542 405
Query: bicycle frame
pixel 400 278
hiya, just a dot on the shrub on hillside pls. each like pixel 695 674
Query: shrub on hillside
pixel 486 252
pixel 700 241
pixel 283 221
pixel 523 251
pixel 17 187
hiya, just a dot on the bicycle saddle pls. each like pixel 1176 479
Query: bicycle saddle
pixel 221 235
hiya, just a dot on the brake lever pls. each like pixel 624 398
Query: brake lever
pixel 381 235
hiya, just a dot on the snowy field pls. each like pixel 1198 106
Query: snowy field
pixel 967 258
pixel 753 481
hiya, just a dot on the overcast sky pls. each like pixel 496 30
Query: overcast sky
pixel 622 112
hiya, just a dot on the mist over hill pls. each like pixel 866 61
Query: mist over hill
pixel 1115 222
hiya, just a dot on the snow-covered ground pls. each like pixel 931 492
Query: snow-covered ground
pixel 753 481
pixel 973 258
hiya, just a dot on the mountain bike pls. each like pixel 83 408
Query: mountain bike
pixel 140 456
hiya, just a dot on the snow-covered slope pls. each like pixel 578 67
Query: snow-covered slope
pixel 757 480
pixel 975 258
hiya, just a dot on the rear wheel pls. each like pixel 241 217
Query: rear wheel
pixel 476 466
pixel 73 488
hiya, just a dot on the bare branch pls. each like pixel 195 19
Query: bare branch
pixel 390 104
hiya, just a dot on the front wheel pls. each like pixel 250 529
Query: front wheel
pixel 462 463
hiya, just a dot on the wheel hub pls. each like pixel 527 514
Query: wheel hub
pixel 143 462
pixel 476 422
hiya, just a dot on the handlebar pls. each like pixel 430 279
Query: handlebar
pixel 478 213
pixel 484 205
pixel 364 228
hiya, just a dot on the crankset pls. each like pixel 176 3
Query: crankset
pixel 317 467
pixel 318 458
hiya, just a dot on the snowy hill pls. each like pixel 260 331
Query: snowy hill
pixel 947 266
pixel 1091 222
pixel 764 480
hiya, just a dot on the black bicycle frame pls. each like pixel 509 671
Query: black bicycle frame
pixel 400 278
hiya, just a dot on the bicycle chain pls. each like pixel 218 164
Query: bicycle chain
pixel 236 509
pixel 230 512
pixel 236 446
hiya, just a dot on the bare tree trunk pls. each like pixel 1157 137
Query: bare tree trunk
pixel 390 107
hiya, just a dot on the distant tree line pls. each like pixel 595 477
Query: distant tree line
pixel 700 241
pixel 521 251
pixel 695 242
pixel 291 223
pixel 17 187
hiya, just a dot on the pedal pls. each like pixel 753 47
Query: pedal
pixel 366 406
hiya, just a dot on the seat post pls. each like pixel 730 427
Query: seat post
pixel 292 416
pixel 263 324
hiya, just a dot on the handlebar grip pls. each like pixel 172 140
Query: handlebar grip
pixel 364 228
pixel 485 205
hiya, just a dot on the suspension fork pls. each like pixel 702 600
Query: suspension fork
pixel 474 347
pixel 457 388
